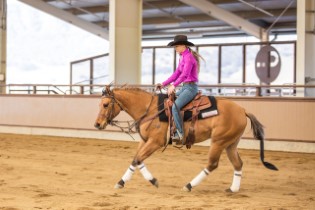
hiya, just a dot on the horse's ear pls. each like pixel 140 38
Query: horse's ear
pixel 106 91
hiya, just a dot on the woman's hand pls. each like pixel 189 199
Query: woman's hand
pixel 171 89
pixel 159 86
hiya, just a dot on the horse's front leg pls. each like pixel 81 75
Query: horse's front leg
pixel 145 149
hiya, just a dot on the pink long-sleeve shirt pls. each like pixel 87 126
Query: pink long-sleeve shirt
pixel 186 71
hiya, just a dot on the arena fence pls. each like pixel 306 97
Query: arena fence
pixel 246 90
pixel 288 118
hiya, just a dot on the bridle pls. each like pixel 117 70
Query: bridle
pixel 132 125
pixel 107 93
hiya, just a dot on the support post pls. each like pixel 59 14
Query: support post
pixel 125 35
pixel 3 45
pixel 305 64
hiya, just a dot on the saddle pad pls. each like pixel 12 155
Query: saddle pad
pixel 205 113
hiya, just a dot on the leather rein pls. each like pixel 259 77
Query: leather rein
pixel 132 125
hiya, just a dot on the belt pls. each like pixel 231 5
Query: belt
pixel 189 83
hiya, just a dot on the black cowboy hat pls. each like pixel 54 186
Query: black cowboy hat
pixel 180 40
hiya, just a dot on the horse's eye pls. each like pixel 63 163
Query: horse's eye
pixel 105 105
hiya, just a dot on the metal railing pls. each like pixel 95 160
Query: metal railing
pixel 94 68
pixel 243 90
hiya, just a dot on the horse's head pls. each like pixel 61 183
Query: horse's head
pixel 109 109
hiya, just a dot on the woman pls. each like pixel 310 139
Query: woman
pixel 186 73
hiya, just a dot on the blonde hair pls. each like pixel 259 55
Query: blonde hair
pixel 197 57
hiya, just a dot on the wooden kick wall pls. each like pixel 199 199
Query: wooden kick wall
pixel 285 119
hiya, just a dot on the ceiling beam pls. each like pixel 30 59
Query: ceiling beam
pixel 237 2
pixel 156 4
pixel 205 17
pixel 167 4
pixel 278 26
pixel 93 9
pixel 221 32
pixel 228 17
pixel 68 17
pixel 177 4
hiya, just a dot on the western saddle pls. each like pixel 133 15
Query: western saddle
pixel 199 103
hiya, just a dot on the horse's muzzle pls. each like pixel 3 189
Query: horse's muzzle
pixel 99 126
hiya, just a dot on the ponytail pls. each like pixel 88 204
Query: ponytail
pixel 197 57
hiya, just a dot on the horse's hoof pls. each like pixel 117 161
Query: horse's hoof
pixel 155 182
pixel 187 188
pixel 230 191
pixel 118 186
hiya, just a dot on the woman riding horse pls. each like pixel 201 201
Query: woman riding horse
pixel 224 129
pixel 187 74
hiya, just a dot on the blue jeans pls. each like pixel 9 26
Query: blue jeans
pixel 184 96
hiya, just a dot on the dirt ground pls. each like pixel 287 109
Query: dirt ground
pixel 40 172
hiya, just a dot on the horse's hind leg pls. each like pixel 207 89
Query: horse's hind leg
pixel 213 162
pixel 237 163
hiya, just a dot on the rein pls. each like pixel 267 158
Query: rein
pixel 126 129
pixel 131 128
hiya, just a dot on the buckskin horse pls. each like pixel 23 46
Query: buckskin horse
pixel 224 129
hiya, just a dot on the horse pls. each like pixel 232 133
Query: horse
pixel 224 130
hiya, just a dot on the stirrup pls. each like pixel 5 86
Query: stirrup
pixel 177 139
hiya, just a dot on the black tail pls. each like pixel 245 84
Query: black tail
pixel 258 131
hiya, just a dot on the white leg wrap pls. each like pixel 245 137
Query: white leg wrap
pixel 128 174
pixel 201 176
pixel 145 172
pixel 235 187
